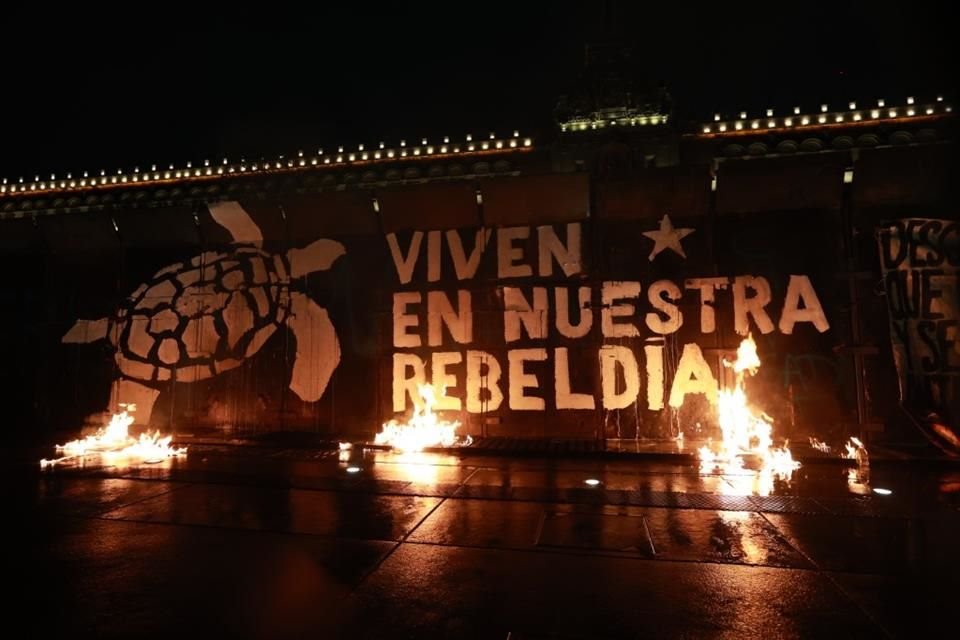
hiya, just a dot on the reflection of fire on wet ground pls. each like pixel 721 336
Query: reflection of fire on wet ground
pixel 115 445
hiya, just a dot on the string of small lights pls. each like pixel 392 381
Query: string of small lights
pixel 224 168
pixel 825 117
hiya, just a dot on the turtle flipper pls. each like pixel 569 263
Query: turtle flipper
pixel 319 255
pixel 318 349
pixel 85 331
pixel 129 392
pixel 235 219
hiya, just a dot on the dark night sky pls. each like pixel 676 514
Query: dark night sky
pixel 87 89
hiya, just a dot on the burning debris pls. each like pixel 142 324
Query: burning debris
pixel 745 433
pixel 820 445
pixel 114 441
pixel 424 429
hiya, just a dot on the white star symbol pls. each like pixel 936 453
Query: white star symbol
pixel 667 238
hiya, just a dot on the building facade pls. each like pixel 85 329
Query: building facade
pixel 585 285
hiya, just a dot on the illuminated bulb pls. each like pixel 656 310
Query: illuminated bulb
pixel 911 112
pixel 754 124
pixel 206 163
pixel 716 117
pixel 805 120
pixel 893 113
pixel 499 144
pixel 939 98
pixel 429 149
pixel 353 469
pixel 853 105
pixel 593 482
pixel 823 108
pixel 527 142
pixel 513 145
pixel 469 137
pixel 796 111
pixel 403 153
pixel 929 110
pixel 390 153
pixel 492 136
pixel 881 491
pixel 822 119
pixel 949 109
pixel 446 139
pixel 416 151
pixel 881 102
pixel 485 145
pixel 365 156
pixel 403 143
pixel 743 114
pixel 360 147
pixel 838 119
pixel 423 141
pixel 738 126
pixel 875 113
pixel 706 129
pixel 381 145
pixel 723 128
pixel 856 117
pixel 471 146
pixel 326 160
pixel 771 124
pixel 788 122
pixel 769 112
pixel 340 149
pixel 376 155
pixel 910 100
pixel 313 163
pixel 516 134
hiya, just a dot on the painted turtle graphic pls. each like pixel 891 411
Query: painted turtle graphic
pixel 196 319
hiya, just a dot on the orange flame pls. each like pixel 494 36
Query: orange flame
pixel 746 433
pixel 114 441
pixel 424 429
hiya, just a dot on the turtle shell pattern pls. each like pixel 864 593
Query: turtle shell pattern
pixel 196 319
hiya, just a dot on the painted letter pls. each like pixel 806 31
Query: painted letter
pixel 442 380
pixel 402 320
pixel 479 381
pixel 404 387
pixel 440 312
pixel 743 307
pixel 508 255
pixel 567 399
pixel 562 303
pixel 520 380
pixel 659 293
pixel 613 357
pixel 463 266
pixel 693 376
pixel 707 287
pixel 800 290
pixel 517 311
pixel 549 247
pixel 405 265
pixel 610 294
pixel 654 355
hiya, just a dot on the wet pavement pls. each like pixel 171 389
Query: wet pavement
pixel 269 542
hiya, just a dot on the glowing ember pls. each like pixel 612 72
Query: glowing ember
pixel 745 433
pixel 424 429
pixel 819 445
pixel 115 442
